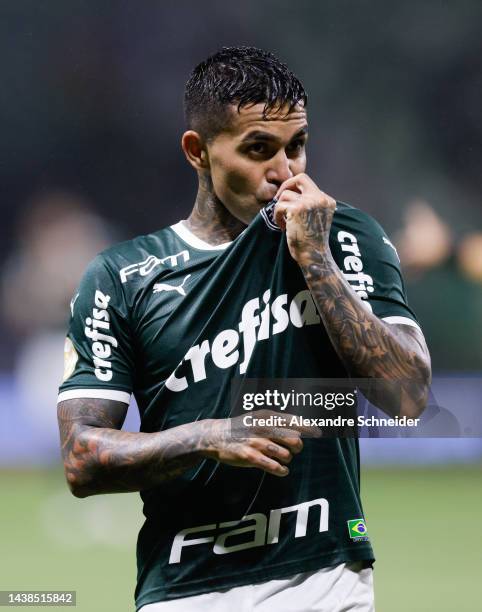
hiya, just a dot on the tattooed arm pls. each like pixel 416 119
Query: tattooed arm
pixel 368 347
pixel 99 458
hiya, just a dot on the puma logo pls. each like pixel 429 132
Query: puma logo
pixel 158 287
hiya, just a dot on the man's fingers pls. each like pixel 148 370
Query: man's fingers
pixel 296 183
pixel 273 450
pixel 282 208
pixel 294 431
pixel 280 215
pixel 310 431
pixel 293 442
pixel 286 428
pixel 259 460
pixel 289 196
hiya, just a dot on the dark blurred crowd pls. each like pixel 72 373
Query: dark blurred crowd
pixel 92 109
pixel 443 274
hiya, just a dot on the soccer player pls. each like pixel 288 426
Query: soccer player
pixel 269 277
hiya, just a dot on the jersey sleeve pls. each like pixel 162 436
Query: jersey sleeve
pixel 370 264
pixel 98 352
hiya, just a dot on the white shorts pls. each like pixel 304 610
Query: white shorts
pixel 343 588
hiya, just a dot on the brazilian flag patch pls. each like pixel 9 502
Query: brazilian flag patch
pixel 357 529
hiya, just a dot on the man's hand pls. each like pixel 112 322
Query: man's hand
pixel 267 448
pixel 305 213
pixel 367 346
pixel 98 458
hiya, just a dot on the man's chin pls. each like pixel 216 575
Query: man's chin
pixel 260 205
pixel 247 213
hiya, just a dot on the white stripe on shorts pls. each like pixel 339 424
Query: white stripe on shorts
pixel 343 588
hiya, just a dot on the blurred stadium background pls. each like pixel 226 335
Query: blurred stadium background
pixel 92 117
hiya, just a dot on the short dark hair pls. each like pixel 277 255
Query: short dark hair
pixel 242 76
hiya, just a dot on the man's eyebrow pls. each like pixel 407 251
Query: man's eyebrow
pixel 267 136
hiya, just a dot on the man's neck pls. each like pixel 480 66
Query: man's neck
pixel 209 219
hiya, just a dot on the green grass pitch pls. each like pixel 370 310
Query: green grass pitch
pixel 425 525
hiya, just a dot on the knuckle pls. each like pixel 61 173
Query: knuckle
pixel 258 443
pixel 266 462
pixel 244 454
pixel 283 452
pixel 279 451
pixel 297 444
pixel 287 457
pixel 250 455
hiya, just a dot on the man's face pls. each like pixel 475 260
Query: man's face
pixel 252 157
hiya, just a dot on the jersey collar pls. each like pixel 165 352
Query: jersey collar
pixel 192 240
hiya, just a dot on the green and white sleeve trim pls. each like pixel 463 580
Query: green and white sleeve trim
pixel 401 321
pixel 108 394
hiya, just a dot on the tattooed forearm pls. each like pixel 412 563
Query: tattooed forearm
pixel 98 458
pixel 369 348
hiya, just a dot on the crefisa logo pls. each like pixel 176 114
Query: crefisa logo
pixel 97 328
pixel 261 319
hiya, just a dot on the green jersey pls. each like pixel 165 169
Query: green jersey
pixel 173 320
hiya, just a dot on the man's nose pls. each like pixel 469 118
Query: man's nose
pixel 279 170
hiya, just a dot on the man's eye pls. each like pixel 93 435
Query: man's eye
pixel 297 145
pixel 257 147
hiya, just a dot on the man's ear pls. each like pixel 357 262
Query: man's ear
pixel 195 150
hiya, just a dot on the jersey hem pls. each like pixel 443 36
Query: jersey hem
pixel 280 570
